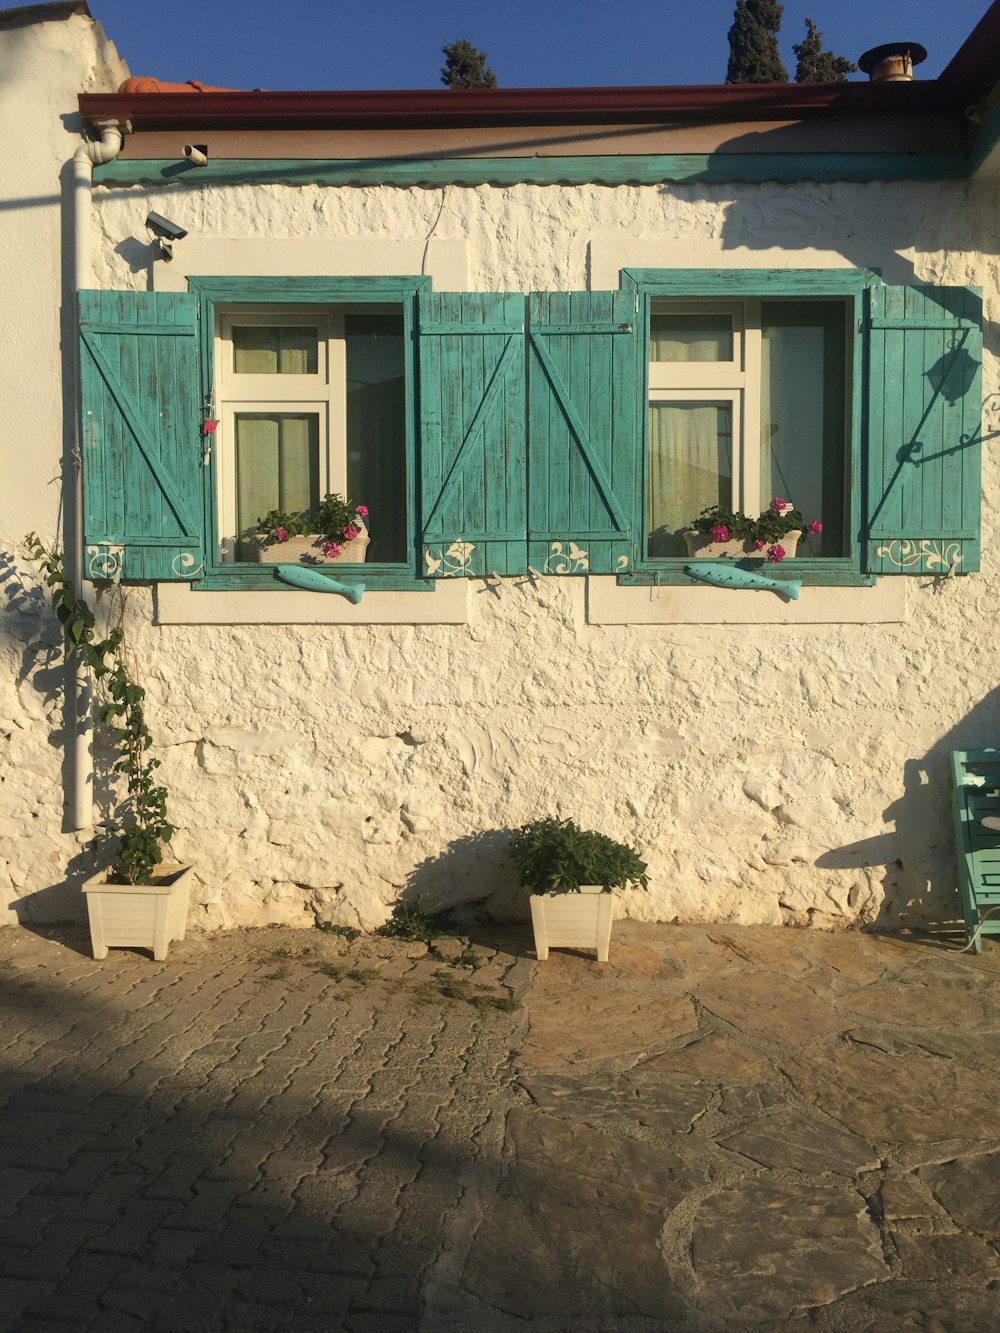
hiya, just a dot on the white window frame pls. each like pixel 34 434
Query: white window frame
pixel 738 380
pixel 323 394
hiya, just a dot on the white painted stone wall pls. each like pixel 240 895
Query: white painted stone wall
pixel 43 67
pixel 789 772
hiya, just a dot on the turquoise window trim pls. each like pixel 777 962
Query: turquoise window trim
pixel 852 285
pixel 213 292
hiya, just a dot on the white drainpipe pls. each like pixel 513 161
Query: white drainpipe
pixel 89 153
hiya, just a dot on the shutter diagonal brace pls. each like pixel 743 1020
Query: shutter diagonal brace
pixel 475 426
pixel 562 397
pixel 908 451
pixel 131 418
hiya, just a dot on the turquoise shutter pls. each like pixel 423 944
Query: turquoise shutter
pixel 140 404
pixel 925 358
pixel 472 420
pixel 584 392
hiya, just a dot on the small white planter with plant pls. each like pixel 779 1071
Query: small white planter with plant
pixel 570 874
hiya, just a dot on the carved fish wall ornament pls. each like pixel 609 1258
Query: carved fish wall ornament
pixel 724 574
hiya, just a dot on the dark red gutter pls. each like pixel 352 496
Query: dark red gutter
pixel 511 106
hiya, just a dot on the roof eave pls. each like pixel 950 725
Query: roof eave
pixel 434 108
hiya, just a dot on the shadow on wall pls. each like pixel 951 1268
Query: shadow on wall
pixel 472 878
pixel 30 642
pixel 885 219
pixel 919 852
pixel 65 901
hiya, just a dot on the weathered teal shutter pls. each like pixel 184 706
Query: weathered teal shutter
pixel 472 423
pixel 584 390
pixel 140 407
pixel 925 358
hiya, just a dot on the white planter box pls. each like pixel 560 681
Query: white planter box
pixel 701 545
pixel 138 916
pixel 307 547
pixel 572 921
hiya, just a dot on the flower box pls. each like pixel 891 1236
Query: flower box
pixel 138 916
pixel 700 544
pixel 307 548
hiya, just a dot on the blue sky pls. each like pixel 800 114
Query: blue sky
pixel 531 43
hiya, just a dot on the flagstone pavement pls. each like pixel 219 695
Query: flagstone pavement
pixel 721 1129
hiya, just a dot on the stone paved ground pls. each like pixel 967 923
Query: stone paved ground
pixel 722 1129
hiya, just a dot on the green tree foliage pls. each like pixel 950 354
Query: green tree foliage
pixel 465 67
pixel 816 65
pixel 753 43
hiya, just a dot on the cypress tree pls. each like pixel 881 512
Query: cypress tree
pixel 465 67
pixel 753 43
pixel 816 65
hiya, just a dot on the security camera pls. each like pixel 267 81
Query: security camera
pixel 164 233
pixel 164 228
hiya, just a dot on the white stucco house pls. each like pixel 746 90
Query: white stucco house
pixel 535 332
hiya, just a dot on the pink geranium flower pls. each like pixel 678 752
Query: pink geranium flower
pixel 362 511
pixel 281 534
pixel 816 526
pixel 350 532
pixel 775 553
pixel 759 544
pixel 720 533
pixel 330 549
pixel 779 506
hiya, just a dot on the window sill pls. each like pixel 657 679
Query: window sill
pixel 262 578
pixel 224 600
pixel 813 572
pixel 612 602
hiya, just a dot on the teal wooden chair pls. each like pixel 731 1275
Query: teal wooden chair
pixel 976 805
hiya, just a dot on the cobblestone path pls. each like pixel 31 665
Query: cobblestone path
pixel 722 1129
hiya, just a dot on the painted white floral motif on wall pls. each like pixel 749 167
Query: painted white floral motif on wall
pixel 455 559
pixel 567 558
pixel 939 557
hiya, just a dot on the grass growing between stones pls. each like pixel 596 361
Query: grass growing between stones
pixel 283 952
pixel 410 923
pixel 446 986
pixel 363 976
pixel 279 974
pixel 349 933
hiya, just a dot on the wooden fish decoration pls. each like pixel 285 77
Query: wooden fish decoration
pixel 311 580
pixel 726 574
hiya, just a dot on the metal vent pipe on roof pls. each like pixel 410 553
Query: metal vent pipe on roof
pixel 892 62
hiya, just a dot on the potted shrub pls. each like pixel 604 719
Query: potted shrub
pixel 730 533
pixel 334 531
pixel 138 901
pixel 570 873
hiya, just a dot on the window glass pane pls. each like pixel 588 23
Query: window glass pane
pixel 275 350
pixel 277 467
pixel 803 414
pixel 376 428
pixel 690 468
pixel 690 336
